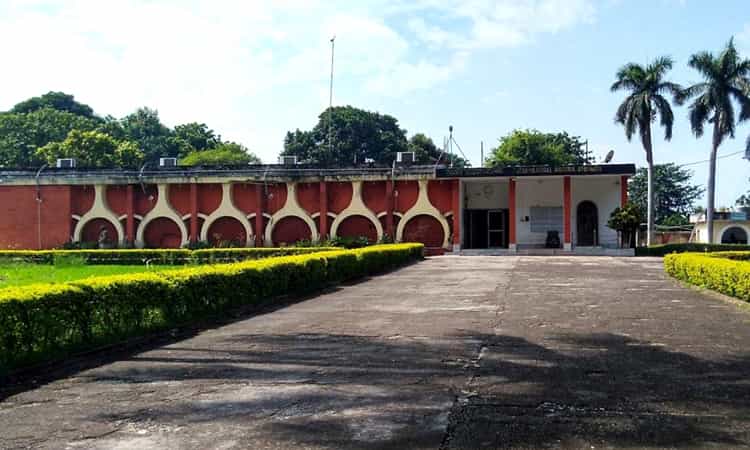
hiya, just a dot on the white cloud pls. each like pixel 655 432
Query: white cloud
pixel 230 63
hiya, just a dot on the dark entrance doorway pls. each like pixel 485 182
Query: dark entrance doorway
pixel 587 220
pixel 485 228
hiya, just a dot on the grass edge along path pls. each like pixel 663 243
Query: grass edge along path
pixel 724 272
pixel 48 322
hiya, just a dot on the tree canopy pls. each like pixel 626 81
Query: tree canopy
pixel 58 101
pixel 357 136
pixel 55 125
pixel 533 147
pixel 674 195
pixel 226 153
pixel 743 203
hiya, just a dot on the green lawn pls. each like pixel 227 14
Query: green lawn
pixel 24 274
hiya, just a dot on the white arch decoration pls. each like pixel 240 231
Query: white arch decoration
pixel 291 208
pixel 99 210
pixel 227 208
pixel 357 207
pixel 423 207
pixel 162 208
pixel 734 225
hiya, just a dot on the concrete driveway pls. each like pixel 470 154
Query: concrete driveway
pixel 451 353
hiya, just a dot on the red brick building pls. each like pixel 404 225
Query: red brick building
pixel 510 209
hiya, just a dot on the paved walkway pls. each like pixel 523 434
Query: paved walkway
pixel 452 353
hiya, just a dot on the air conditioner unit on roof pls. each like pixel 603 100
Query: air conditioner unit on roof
pixel 405 157
pixel 288 160
pixel 66 163
pixel 167 162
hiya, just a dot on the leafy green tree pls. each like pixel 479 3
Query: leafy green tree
pixel 59 101
pixel 92 149
pixel 355 135
pixel 674 195
pixel 646 87
pixel 626 221
pixel 533 147
pixel 726 79
pixel 21 134
pixel 194 136
pixel 153 138
pixel 225 154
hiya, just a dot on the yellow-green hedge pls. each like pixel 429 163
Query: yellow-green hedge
pixel 157 256
pixel 45 321
pixel 725 272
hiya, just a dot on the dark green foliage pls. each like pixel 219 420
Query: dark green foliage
pixel 532 147
pixel 357 135
pixel 743 203
pixel 674 195
pixel 665 249
pixel 47 322
pixel 195 137
pixel 92 149
pixel 59 101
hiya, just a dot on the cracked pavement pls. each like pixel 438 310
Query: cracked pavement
pixel 450 353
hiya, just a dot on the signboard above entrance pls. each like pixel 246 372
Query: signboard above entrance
pixel 519 171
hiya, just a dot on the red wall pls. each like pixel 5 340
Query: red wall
pixel 21 214
pixel 18 215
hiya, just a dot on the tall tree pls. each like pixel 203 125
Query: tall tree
pixel 726 80
pixel 59 101
pixel 153 138
pixel 646 87
pixel 674 194
pixel 355 136
pixel 533 147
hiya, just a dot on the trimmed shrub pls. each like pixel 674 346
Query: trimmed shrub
pixel 725 272
pixel 665 249
pixel 156 256
pixel 45 321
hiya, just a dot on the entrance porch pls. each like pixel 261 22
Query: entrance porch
pixel 544 215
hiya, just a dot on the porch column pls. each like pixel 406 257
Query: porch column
pixel 323 208
pixel 456 208
pixel 567 241
pixel 194 212
pixel 389 230
pixel 623 190
pixel 259 215
pixel 129 215
pixel 512 214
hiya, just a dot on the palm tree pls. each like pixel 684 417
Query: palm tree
pixel 726 77
pixel 647 88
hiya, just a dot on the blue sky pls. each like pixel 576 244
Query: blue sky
pixel 253 70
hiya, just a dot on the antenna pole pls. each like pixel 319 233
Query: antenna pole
pixel 481 153
pixel 330 102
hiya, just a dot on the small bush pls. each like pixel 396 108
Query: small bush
pixel 46 321
pixel 725 272
pixel 665 249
